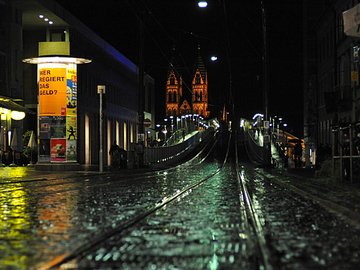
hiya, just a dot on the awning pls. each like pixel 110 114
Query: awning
pixel 351 19
pixel 11 105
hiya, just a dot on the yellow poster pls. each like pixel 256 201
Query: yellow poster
pixel 71 128
pixel 52 92
pixel 71 92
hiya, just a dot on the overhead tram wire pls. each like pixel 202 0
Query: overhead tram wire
pixel 186 66
pixel 228 54
pixel 252 46
pixel 149 12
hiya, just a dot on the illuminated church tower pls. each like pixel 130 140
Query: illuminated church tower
pixel 200 88
pixel 176 102
pixel 173 93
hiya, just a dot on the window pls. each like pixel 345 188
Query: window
pixel 172 80
pixel 57 35
pixel 197 78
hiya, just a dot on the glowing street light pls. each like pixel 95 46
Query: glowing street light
pixel 202 4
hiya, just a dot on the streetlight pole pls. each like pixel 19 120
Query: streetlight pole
pixel 101 91
pixel 141 91
pixel 266 145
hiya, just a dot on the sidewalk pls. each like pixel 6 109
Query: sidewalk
pixel 29 173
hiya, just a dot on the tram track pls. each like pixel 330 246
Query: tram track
pixel 83 249
pixel 187 215
pixel 253 224
pixel 262 254
pixel 253 219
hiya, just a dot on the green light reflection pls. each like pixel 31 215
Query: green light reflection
pixel 214 262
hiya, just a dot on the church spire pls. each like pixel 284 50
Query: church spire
pixel 199 64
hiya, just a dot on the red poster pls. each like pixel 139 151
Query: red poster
pixel 57 149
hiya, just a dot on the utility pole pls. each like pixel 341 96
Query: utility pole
pixel 266 144
pixel 141 131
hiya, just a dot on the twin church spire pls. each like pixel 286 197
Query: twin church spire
pixel 177 100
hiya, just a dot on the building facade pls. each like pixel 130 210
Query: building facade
pixel 24 27
pixel 331 82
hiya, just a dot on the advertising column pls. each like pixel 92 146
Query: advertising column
pixel 57 112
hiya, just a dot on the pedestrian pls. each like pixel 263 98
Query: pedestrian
pixel 286 160
pixel 115 155
pixel 357 143
pixel 346 144
pixel 298 154
pixel 123 158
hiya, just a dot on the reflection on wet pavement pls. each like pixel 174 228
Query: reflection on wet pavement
pixel 203 230
pixel 41 220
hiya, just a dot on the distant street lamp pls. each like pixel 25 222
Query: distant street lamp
pixel 172 123
pixel 213 58
pixel 202 4
pixel 164 131
pixel 157 132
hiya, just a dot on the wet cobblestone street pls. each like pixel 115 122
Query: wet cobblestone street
pixel 302 234
pixel 202 230
pixel 47 218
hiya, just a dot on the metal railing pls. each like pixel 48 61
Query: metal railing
pixel 346 152
pixel 160 156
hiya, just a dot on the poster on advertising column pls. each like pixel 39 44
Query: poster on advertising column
pixel 44 136
pixel 71 150
pixel 58 149
pixel 71 135
pixel 58 127
pixel 71 92
pixel 52 91
pixel 58 111
pixel 44 150
pixel 71 114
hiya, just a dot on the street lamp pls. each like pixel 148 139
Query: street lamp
pixel 178 119
pixel 157 132
pixel 164 131
pixel 101 91
pixel 202 4
pixel 172 123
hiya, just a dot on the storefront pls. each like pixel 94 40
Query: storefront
pixel 11 115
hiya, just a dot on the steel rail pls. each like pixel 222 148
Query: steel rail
pixel 95 241
pixel 252 217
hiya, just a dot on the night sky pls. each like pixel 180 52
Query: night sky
pixel 232 31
